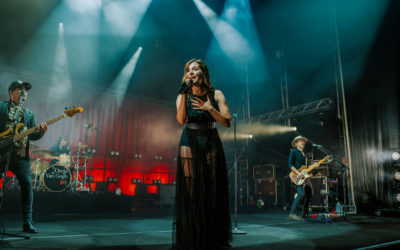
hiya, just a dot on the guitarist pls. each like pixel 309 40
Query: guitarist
pixel 19 159
pixel 297 159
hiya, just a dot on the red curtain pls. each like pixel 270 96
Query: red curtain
pixel 145 134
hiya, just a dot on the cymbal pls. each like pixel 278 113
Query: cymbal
pixel 44 152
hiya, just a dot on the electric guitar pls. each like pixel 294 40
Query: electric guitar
pixel 305 171
pixel 10 137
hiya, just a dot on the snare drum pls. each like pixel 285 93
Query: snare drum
pixel 56 178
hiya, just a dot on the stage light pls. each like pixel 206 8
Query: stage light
pixel 112 179
pixel 112 152
pixel 135 181
pixel 124 17
pixel 232 43
pixel 236 36
pixel 120 84
pixel 395 156
pixel 89 178
pixel 117 153
pixel 294 128
pixel 397 176
pixel 60 85
pixel 84 7
pixel 156 181
pixel 118 191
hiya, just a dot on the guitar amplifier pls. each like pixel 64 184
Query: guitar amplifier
pixel 264 171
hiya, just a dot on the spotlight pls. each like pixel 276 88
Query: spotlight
pixel 135 155
pixel 136 181
pixel 118 191
pixel 140 156
pixel 112 179
pixel 112 152
pixel 294 128
pixel 396 156
pixel 89 178
pixel 397 176
pixel 117 153
pixel 250 136
pixel 156 181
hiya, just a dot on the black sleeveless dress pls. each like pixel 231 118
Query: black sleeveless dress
pixel 202 218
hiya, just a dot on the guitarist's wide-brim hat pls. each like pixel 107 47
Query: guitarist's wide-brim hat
pixel 18 84
pixel 298 138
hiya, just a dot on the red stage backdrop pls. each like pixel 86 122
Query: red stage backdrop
pixel 145 134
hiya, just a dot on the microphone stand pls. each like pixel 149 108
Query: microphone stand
pixel 236 230
pixel 20 107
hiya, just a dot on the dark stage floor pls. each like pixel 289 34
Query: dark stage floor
pixel 270 230
pixel 150 228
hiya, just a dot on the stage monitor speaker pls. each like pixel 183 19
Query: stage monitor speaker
pixel 264 171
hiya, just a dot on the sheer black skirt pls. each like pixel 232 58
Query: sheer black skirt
pixel 201 218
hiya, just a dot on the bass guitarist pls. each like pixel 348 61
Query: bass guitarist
pixel 297 159
pixel 12 112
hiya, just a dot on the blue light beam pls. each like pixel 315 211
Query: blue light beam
pixel 120 84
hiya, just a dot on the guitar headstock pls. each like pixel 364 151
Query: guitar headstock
pixel 73 111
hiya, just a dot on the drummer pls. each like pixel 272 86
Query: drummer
pixel 61 150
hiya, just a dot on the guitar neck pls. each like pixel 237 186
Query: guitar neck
pixel 315 165
pixel 23 134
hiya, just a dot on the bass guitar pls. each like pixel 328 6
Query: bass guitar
pixel 306 172
pixel 10 137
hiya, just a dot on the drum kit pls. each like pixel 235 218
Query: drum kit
pixel 67 173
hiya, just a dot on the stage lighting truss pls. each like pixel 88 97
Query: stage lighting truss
pixel 308 108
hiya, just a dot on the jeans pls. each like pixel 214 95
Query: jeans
pixel 304 190
pixel 22 170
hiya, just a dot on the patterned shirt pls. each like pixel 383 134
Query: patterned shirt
pixel 16 113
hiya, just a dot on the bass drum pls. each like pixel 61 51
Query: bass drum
pixel 56 178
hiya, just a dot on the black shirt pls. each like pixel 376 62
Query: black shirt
pixel 297 159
